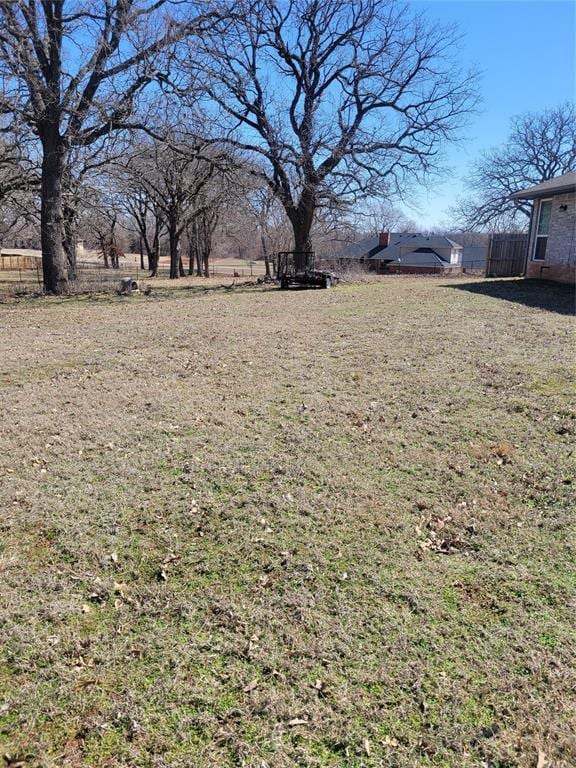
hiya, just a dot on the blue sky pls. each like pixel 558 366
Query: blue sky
pixel 525 50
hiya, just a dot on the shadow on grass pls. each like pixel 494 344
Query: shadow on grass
pixel 541 294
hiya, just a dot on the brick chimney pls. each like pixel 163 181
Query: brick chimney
pixel 384 239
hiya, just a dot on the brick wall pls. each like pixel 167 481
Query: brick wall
pixel 560 261
pixel 413 269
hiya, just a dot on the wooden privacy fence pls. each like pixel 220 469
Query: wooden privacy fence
pixel 507 255
pixel 10 262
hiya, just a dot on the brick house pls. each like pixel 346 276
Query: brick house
pixel 402 252
pixel 552 234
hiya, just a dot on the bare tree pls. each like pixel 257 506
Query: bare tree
pixel 81 191
pixel 256 221
pixel 381 216
pixel 128 179
pixel 262 203
pixel 104 227
pixel 539 147
pixel 73 73
pixel 200 231
pixel 19 184
pixel 18 171
pixel 148 216
pixel 336 99
pixel 172 177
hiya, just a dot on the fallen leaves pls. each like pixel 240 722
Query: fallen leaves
pixel 503 452
pixel 162 573
pixel 321 688
pixel 297 721
pixel 441 536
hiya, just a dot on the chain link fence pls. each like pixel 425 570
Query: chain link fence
pixel 94 276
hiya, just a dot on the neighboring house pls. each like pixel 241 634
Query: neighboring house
pixel 551 243
pixel 402 252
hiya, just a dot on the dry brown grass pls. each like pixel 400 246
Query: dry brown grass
pixel 245 527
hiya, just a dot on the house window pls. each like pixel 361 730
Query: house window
pixel 543 229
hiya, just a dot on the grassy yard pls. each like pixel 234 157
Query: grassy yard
pixel 254 528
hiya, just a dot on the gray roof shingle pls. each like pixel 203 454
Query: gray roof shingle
pixel 556 186
pixel 369 248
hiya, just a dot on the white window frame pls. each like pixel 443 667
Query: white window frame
pixel 537 227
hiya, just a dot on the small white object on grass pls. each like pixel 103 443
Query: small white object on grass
pixel 129 285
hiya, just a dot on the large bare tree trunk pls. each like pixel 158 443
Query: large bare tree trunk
pixel 301 219
pixel 302 241
pixel 54 266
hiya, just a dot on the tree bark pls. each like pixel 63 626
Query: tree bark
pixel 54 264
pixel 174 250
pixel 69 242
pixel 192 245
pixel 153 260
pixel 302 241
pixel 264 252
pixel 301 219
pixel 206 244
pixel 190 257
pixel 197 229
pixel 154 255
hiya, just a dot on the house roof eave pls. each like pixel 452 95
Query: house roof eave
pixel 556 186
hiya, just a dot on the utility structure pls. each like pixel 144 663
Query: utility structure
pixel 298 269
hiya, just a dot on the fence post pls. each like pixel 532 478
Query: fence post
pixel 488 258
